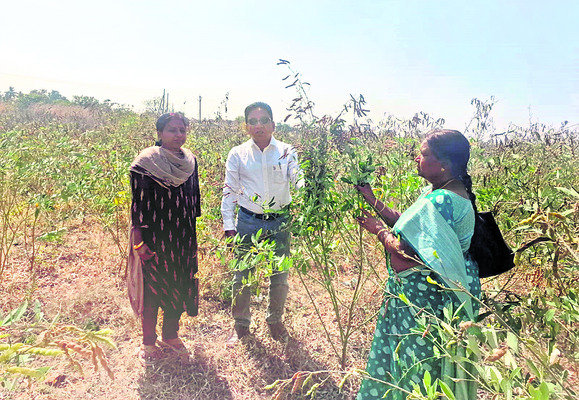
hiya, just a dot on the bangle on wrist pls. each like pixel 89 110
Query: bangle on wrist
pixel 138 246
pixel 380 231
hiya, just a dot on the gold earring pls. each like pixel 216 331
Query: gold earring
pixel 442 169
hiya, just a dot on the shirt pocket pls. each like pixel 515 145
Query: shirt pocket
pixel 279 173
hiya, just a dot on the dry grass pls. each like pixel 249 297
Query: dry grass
pixel 81 280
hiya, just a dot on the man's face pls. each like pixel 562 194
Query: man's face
pixel 260 126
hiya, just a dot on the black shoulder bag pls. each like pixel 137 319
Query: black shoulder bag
pixel 488 248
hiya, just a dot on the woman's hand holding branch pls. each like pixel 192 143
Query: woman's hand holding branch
pixel 403 257
pixel 387 214
pixel 370 223
pixel 368 194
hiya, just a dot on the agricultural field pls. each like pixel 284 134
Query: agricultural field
pixel 66 326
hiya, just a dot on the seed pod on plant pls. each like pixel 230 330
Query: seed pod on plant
pixel 272 385
pixel 557 215
pixel 74 364
pixel 313 390
pixel 44 352
pixel 86 353
pixel 278 393
pixel 531 219
pixel 497 354
pixel 464 325
pixel 75 347
pixel 295 376
pixel 29 372
pixel 298 381
pixel 344 380
pixel 94 360
pixel 103 361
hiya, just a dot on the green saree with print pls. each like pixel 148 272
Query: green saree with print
pixel 409 339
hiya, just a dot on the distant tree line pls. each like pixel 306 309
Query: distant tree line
pixel 43 96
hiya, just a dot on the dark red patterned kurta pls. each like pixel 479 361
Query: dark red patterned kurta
pixel 166 218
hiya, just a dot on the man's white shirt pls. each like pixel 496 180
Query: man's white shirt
pixel 259 180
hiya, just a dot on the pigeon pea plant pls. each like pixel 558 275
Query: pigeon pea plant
pixel 68 163
pixel 39 338
pixel 331 155
pixel 504 360
pixel 497 358
pixel 259 257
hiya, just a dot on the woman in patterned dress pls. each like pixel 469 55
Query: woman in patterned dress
pixel 428 245
pixel 163 240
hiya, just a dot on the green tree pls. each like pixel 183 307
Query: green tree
pixel 55 96
pixel 10 94
pixel 85 101
pixel 34 97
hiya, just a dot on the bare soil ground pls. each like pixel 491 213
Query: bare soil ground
pixel 81 280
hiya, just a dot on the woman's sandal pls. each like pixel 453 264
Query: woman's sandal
pixel 176 345
pixel 150 354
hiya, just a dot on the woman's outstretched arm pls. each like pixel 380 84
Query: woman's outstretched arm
pixel 402 255
pixel 387 214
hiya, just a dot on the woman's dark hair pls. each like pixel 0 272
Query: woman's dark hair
pixel 452 147
pixel 258 104
pixel 165 118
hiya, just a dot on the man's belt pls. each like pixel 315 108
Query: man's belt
pixel 264 217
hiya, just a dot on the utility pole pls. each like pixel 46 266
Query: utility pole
pixel 199 108
pixel 162 105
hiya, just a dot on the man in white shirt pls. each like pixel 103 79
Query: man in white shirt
pixel 257 183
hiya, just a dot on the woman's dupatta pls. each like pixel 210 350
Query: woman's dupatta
pixel 135 284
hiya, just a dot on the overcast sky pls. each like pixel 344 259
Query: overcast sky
pixel 403 56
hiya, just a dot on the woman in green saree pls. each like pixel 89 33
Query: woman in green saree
pixel 428 245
